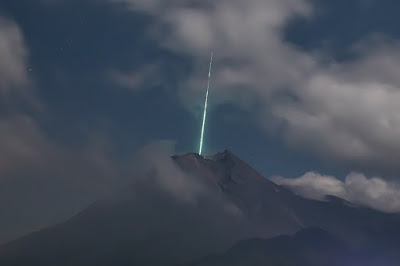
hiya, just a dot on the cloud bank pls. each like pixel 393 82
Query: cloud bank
pixel 340 111
pixel 375 192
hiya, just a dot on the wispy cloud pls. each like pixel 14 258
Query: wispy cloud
pixel 147 76
pixel 13 57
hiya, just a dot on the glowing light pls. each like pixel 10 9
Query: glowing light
pixel 205 106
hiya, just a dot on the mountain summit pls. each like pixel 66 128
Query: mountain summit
pixel 151 227
pixel 265 204
pixel 222 168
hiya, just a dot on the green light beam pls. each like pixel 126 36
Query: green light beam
pixel 205 106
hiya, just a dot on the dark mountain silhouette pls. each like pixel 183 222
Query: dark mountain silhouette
pixel 308 247
pixel 151 227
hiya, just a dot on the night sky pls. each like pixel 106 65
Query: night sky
pixel 297 87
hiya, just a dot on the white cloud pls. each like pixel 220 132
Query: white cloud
pixel 155 163
pixel 375 192
pixel 342 111
pixel 13 57
pixel 245 36
pixel 349 112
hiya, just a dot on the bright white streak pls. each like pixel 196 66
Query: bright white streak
pixel 205 106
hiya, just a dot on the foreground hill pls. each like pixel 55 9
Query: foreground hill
pixel 150 227
pixel 308 247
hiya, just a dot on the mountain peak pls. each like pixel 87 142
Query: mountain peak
pixel 222 163
pixel 225 170
pixel 218 156
pixel 224 156
pixel 221 157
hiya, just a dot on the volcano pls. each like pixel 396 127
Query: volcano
pixel 237 214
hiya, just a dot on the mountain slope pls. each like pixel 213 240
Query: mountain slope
pixel 152 227
pixel 262 201
pixel 274 210
pixel 148 228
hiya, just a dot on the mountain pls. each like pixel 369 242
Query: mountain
pixel 274 210
pixel 308 247
pixel 263 202
pixel 229 202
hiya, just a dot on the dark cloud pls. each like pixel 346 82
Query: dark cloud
pixel 42 181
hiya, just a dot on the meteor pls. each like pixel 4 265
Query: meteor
pixel 205 105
